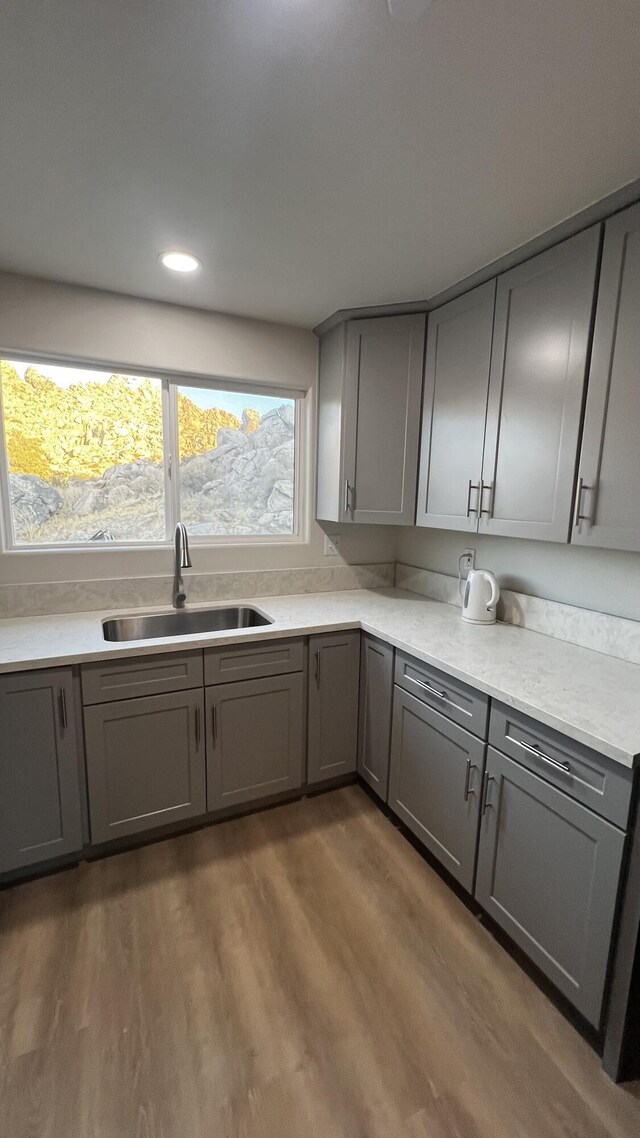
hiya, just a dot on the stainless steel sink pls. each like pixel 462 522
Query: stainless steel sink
pixel 182 622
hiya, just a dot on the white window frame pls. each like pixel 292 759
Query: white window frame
pixel 171 381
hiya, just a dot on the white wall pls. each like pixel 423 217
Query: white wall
pixel 49 319
pixel 605 580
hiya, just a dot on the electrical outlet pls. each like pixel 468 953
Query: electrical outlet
pixel 467 562
pixel 331 544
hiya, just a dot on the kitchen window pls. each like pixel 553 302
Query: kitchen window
pixel 96 456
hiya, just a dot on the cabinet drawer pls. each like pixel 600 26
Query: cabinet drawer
pixel 251 661
pixel 459 702
pixel 583 774
pixel 144 675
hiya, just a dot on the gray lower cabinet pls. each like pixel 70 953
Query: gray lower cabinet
pixel 39 768
pixel 376 695
pixel 548 873
pixel 145 763
pixel 434 783
pixel 608 497
pixel 538 372
pixel 333 705
pixel 255 739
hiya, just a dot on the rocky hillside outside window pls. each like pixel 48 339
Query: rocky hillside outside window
pixel 94 456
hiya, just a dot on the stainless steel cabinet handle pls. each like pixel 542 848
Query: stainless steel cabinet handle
pixel 473 509
pixel 197 726
pixel 582 486
pixel 63 709
pixel 318 662
pixel 214 722
pixel 534 749
pixel 485 792
pixel 489 509
pixel 468 789
pixel 434 691
pixel 349 492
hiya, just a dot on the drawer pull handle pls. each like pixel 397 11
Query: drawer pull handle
pixel 468 789
pixel 535 750
pixel 433 691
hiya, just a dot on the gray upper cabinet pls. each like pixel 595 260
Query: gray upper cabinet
pixel 255 739
pixel 454 410
pixel 548 873
pixel 368 420
pixel 145 763
pixel 538 365
pixel 434 782
pixel 39 768
pixel 608 497
pixel 333 705
pixel 376 695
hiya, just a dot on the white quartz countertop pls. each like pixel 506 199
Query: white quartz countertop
pixel 591 697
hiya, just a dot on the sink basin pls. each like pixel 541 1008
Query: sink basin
pixel 182 622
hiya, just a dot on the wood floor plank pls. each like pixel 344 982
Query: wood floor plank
pixel 296 972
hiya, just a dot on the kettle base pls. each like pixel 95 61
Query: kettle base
pixel 470 620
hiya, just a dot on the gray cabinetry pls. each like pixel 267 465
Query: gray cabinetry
pixel 608 496
pixel 333 704
pixel 434 782
pixel 145 763
pixel 368 420
pixel 374 732
pixel 548 873
pixel 255 739
pixel 454 410
pixel 504 384
pixel 538 364
pixel 39 768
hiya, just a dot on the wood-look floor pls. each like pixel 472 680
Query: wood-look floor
pixel 301 973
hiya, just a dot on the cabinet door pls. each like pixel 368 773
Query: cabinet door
pixel 538 363
pixel 374 732
pixel 454 410
pixel 608 505
pixel 333 705
pixel 255 739
pixel 434 783
pixel 548 873
pixel 331 503
pixel 145 763
pixel 39 768
pixel 383 386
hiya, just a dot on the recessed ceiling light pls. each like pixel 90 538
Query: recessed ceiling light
pixel 179 262
pixel 408 9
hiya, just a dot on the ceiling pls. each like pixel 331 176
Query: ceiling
pixel 315 154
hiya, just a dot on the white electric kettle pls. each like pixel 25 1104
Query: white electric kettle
pixel 481 595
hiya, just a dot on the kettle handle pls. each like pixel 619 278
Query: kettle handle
pixel 495 591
